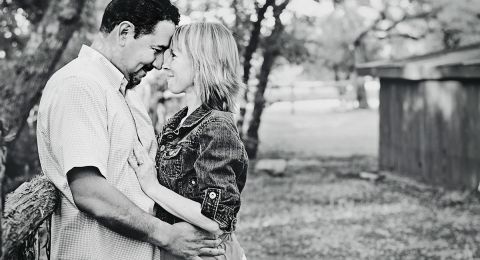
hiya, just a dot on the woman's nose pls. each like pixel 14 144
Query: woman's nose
pixel 167 58
pixel 166 65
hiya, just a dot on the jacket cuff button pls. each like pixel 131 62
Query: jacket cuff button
pixel 212 195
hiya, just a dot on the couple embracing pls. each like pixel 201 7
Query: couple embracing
pixel 127 193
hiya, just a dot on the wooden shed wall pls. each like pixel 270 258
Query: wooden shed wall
pixel 431 130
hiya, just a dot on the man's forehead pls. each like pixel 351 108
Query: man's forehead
pixel 163 33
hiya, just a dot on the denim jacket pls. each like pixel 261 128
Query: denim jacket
pixel 203 160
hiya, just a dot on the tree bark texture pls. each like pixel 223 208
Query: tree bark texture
pixel 247 57
pixel 270 53
pixel 25 210
pixel 22 81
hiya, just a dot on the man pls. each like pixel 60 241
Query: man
pixel 88 123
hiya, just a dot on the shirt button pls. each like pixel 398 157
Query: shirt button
pixel 212 195
pixel 162 148
pixel 193 182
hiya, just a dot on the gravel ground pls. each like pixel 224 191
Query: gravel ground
pixel 318 211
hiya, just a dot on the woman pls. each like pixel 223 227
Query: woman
pixel 200 155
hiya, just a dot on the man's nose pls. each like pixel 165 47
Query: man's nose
pixel 158 62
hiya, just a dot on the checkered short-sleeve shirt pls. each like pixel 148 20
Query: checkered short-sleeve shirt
pixel 85 120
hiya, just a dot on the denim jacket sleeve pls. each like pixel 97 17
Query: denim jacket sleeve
pixel 221 170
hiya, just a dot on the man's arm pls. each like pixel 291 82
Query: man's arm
pixel 94 196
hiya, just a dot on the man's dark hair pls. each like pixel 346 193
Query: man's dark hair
pixel 143 14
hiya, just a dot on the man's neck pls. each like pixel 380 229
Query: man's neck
pixel 105 47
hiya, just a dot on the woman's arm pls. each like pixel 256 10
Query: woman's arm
pixel 171 201
pixel 181 207
pixel 220 168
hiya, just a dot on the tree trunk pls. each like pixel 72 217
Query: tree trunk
pixel 22 82
pixel 247 57
pixel 361 94
pixel 336 72
pixel 251 143
pixel 273 47
pixel 359 57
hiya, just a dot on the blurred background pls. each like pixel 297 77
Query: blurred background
pixel 310 119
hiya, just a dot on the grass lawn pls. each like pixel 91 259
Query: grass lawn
pixel 317 128
pixel 316 212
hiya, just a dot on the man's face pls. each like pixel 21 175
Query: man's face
pixel 144 53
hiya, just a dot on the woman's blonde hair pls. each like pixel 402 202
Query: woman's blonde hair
pixel 214 55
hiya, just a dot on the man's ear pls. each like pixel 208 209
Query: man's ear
pixel 126 30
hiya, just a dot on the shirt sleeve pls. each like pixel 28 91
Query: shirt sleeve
pixel 221 170
pixel 78 126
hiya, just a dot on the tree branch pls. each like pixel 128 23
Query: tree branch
pixel 382 17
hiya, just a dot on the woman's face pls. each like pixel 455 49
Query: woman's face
pixel 178 68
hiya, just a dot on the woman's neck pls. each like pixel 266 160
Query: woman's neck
pixel 193 101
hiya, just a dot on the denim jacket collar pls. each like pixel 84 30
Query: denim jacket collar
pixel 193 119
pixel 196 116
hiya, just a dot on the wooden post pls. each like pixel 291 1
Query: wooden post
pixel 3 158
pixel 25 210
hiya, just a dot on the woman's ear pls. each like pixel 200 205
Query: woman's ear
pixel 126 31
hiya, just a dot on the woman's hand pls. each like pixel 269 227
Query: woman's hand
pixel 144 167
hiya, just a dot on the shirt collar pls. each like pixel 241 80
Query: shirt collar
pixel 114 75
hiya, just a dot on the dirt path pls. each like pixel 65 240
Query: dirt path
pixel 316 213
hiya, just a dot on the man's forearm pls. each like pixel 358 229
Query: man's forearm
pixel 94 196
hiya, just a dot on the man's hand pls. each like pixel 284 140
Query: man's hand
pixel 189 242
